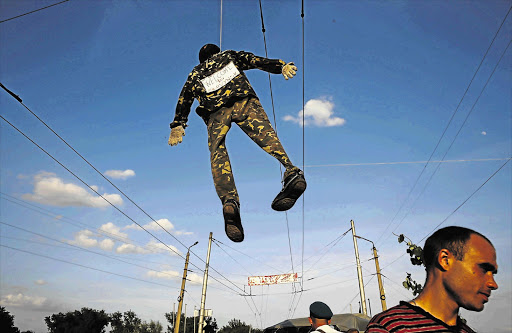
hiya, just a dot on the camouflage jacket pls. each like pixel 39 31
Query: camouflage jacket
pixel 220 82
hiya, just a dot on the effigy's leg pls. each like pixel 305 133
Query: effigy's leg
pixel 253 120
pixel 218 125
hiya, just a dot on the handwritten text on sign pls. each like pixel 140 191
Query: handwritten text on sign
pixel 219 79
pixel 272 279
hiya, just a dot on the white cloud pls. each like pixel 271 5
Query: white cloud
pixel 112 229
pixel 484 133
pixel 154 226
pixel 20 300
pixel 107 244
pixel 163 274
pixel 130 248
pixel 319 112
pixel 152 246
pixel 191 277
pixel 40 282
pixel 51 190
pixel 161 248
pixel 83 238
pixel 184 233
pixel 120 174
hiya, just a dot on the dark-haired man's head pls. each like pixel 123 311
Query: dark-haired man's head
pixel 452 238
pixel 207 51
pixel 460 264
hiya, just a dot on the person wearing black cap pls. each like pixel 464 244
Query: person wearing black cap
pixel 225 96
pixel 320 317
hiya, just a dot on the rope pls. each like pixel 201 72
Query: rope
pixel 220 42
pixel 303 145
pixel 275 128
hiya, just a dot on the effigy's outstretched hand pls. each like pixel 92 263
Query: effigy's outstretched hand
pixel 176 136
pixel 289 70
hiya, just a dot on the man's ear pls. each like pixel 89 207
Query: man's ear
pixel 310 321
pixel 444 259
pixel 329 321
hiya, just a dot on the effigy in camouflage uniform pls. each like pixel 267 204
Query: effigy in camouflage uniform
pixel 225 96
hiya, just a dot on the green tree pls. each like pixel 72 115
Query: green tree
pixel 416 254
pixel 7 322
pixel 129 322
pixel 83 321
pixel 238 326
pixel 151 327
pixel 125 323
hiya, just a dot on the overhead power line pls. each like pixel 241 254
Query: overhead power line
pixel 470 196
pixel 95 169
pixel 455 210
pixel 90 187
pixel 232 258
pixel 447 126
pixel 12 18
pixel 323 255
pixel 406 162
pixel 372 276
pixel 118 209
pixel 77 224
pixel 108 180
pixel 88 267
pixel 456 135
pixel 303 143
pixel 85 250
pixel 275 128
pixel 248 256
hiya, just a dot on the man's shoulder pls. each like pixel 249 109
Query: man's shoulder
pixel 406 317
pixel 397 311
pixel 326 329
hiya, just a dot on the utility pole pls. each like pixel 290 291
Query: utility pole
pixel 359 271
pixel 182 292
pixel 205 280
pixel 379 278
pixel 185 324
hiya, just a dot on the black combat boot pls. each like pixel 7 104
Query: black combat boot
pixel 232 222
pixel 293 187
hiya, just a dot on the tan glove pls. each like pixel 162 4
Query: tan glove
pixel 176 136
pixel 289 70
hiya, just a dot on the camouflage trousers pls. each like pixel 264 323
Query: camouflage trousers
pixel 249 115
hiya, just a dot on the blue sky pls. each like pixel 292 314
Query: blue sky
pixel 382 80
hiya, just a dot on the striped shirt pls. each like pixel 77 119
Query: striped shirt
pixel 407 318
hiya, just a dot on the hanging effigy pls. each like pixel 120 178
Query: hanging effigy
pixel 225 96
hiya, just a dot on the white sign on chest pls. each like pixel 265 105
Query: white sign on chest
pixel 220 78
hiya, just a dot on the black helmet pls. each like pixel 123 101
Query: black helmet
pixel 207 51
